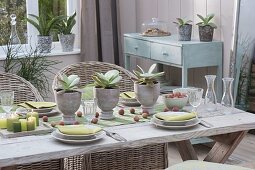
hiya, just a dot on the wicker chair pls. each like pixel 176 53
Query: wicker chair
pixel 86 69
pixel 146 157
pixel 23 90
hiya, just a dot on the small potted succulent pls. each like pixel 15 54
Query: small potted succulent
pixel 107 92
pixel 206 28
pixel 147 88
pixel 44 27
pixel 184 29
pixel 66 37
pixel 67 97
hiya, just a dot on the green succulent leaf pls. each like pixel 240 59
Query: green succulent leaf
pixel 140 68
pixel 68 83
pixel 107 80
pixel 202 18
pixel 152 68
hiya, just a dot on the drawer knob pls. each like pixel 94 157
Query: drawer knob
pixel 136 47
pixel 165 53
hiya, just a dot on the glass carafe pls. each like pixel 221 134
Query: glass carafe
pixel 227 98
pixel 14 38
pixel 210 96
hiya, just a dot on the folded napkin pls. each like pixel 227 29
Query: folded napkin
pixel 175 117
pixel 37 105
pixel 78 130
pixel 127 95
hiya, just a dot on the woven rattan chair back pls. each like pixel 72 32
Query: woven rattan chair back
pixel 86 69
pixel 23 90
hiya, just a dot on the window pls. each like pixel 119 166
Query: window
pixel 26 32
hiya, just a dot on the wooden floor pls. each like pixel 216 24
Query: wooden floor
pixel 244 155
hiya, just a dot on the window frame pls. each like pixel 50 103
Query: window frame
pixel 33 8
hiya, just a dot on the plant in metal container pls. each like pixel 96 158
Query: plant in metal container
pixel 68 97
pixel 44 28
pixel 206 28
pixel 66 37
pixel 184 29
pixel 107 92
pixel 147 88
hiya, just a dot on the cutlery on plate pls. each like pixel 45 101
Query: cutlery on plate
pixel 115 136
pixel 205 124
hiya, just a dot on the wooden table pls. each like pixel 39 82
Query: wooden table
pixel 227 131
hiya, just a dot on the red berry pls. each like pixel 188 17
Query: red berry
pixel 177 94
pixel 121 112
pixel 76 123
pixel 166 110
pixel 53 124
pixel 145 111
pixel 175 109
pixel 94 120
pixel 97 115
pixel 132 110
pixel 145 115
pixel 136 118
pixel 62 123
pixel 79 114
pixel 45 118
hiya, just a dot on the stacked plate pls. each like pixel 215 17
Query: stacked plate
pixel 175 124
pixel 129 99
pixel 74 139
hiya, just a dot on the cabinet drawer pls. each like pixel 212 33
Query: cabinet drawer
pixel 137 47
pixel 166 53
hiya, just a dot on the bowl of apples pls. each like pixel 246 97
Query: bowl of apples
pixel 175 100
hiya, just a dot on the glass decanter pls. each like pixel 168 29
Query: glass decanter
pixel 210 96
pixel 14 38
pixel 227 98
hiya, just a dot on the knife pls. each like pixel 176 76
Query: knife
pixel 205 124
pixel 115 136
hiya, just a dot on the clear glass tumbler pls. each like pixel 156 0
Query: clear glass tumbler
pixel 7 100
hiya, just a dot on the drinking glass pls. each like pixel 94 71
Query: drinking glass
pixel 195 97
pixel 7 99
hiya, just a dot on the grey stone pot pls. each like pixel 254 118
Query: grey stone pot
pixel 44 43
pixel 206 33
pixel 67 42
pixel 147 96
pixel 107 99
pixel 68 103
pixel 184 32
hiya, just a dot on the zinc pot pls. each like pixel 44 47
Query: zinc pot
pixel 107 99
pixel 184 32
pixel 68 103
pixel 44 43
pixel 147 96
pixel 67 42
pixel 206 33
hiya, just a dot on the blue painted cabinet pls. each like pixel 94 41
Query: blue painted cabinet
pixel 169 51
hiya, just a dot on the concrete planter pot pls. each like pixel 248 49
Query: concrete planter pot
pixel 107 99
pixel 44 43
pixel 147 96
pixel 206 33
pixel 68 103
pixel 184 32
pixel 67 42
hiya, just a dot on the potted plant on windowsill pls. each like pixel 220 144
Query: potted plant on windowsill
pixel 206 28
pixel 107 92
pixel 67 97
pixel 44 27
pixel 147 88
pixel 66 37
pixel 184 29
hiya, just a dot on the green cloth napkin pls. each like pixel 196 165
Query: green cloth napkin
pixel 37 105
pixel 127 95
pixel 78 129
pixel 175 117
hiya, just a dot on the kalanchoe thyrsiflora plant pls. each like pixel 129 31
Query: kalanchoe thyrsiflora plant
pixel 206 21
pixel 69 83
pixel 181 22
pixel 147 78
pixel 109 80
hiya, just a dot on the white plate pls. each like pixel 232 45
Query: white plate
pixel 156 123
pixel 69 141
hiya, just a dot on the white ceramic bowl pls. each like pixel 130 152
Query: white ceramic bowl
pixel 178 102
